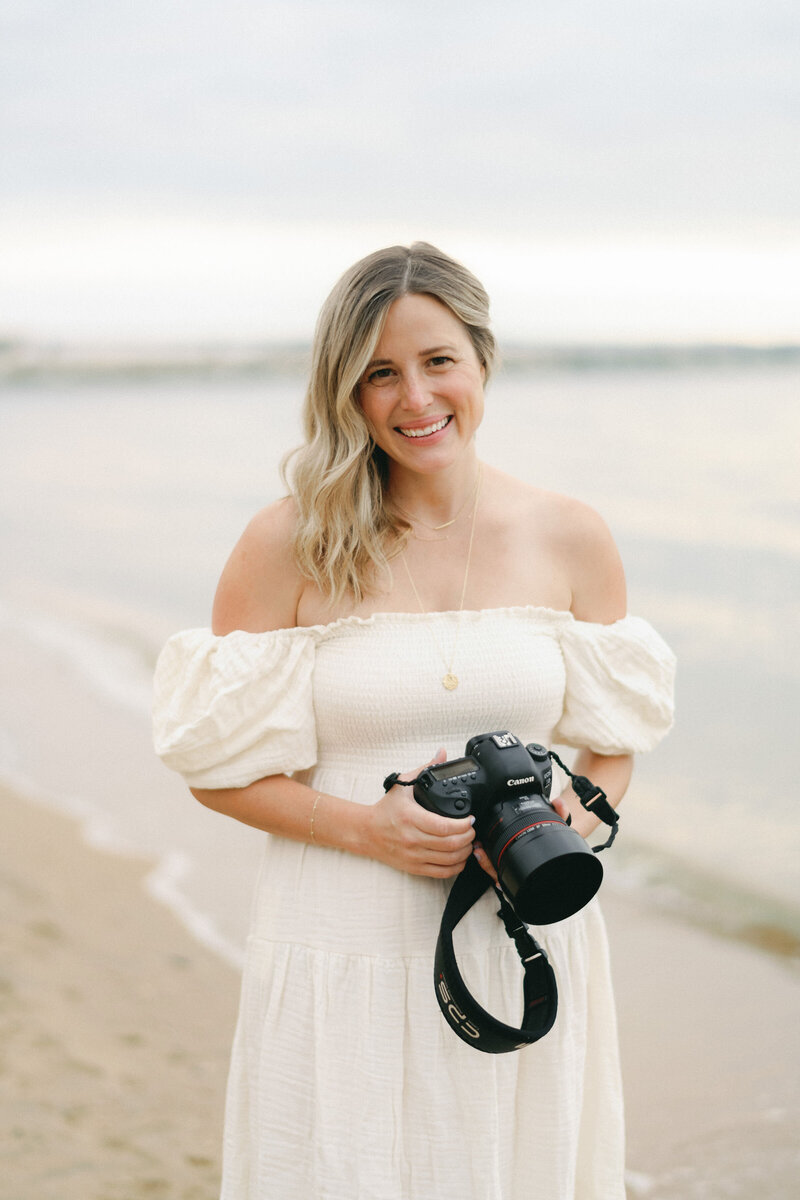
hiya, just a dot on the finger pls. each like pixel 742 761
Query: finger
pixel 484 861
pixel 420 842
pixel 436 829
pixel 437 858
pixel 436 872
pixel 433 848
pixel 442 858
pixel 561 807
pixel 439 757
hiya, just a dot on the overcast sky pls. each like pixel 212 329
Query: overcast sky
pixel 615 169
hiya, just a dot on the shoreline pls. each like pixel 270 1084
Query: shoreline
pixel 117 1026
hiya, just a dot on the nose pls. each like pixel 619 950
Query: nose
pixel 414 394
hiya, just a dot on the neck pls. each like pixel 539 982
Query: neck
pixel 435 498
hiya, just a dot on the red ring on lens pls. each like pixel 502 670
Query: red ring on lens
pixel 519 833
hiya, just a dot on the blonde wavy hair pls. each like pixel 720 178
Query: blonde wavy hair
pixel 346 529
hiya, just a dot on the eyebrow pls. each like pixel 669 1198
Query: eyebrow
pixel 386 362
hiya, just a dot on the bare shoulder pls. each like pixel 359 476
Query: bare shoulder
pixel 261 585
pixel 591 559
pixel 578 543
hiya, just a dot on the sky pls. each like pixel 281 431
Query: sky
pixel 614 170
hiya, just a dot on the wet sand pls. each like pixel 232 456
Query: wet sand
pixel 116 1025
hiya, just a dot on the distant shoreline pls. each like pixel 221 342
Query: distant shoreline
pixel 23 361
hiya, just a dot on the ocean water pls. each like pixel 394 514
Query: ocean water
pixel 120 499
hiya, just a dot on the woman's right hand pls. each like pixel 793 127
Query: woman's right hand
pixel 404 835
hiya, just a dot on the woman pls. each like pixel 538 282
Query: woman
pixel 402 598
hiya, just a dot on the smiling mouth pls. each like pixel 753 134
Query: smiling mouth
pixel 424 430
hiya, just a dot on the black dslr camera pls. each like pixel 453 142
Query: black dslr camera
pixel 545 868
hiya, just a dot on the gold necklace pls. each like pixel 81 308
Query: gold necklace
pixel 450 679
pixel 444 524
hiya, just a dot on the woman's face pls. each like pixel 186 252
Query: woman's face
pixel 422 392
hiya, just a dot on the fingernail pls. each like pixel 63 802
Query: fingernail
pixel 472 820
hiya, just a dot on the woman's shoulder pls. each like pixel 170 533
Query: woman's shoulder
pixel 261 585
pixel 562 515
pixel 575 537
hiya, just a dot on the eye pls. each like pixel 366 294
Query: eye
pixel 440 360
pixel 379 375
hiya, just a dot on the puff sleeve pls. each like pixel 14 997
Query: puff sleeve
pixel 619 687
pixel 229 710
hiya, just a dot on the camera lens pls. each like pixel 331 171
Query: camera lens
pixel 544 866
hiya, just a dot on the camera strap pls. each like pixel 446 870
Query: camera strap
pixel 465 1016
pixel 593 799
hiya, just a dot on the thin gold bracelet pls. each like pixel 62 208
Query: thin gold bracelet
pixel 317 799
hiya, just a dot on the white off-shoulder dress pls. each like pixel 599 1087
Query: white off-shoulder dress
pixel 345 1082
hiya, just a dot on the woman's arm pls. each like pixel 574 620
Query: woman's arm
pixel 612 774
pixel 260 590
pixel 260 586
pixel 599 594
pixel 396 831
pixel 593 566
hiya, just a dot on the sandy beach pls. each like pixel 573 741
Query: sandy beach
pixel 708 1029
pixel 116 1027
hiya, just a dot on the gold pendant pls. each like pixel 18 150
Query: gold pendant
pixel 450 681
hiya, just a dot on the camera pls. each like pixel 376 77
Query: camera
pixel 545 868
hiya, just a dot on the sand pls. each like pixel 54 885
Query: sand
pixel 115 1028
pixel 708 1030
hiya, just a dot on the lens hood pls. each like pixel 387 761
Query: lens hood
pixel 549 873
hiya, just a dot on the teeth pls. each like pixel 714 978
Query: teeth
pixel 426 430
